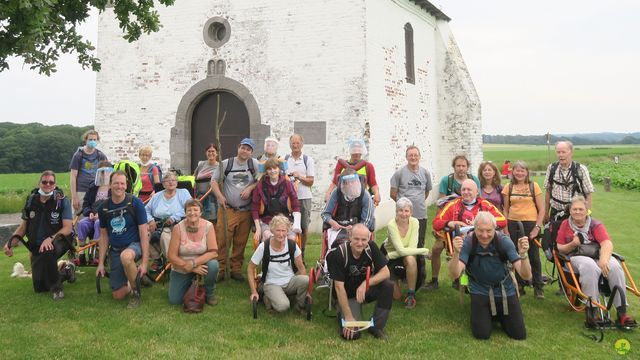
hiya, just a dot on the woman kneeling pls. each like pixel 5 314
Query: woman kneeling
pixel 283 272
pixel 193 251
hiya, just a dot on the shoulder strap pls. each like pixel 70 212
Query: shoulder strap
pixel 266 257
pixel 552 171
pixel 532 191
pixel 304 159
pixel 345 254
pixel 227 170
pixel 576 176
pixel 250 166
pixel 449 184
pixel 292 255
pixel 510 185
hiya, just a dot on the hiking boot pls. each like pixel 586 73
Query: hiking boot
pixel 134 300
pixel 237 277
pixel 431 285
pixel 538 292
pixel 58 295
pixel 212 300
pixel 377 333
pixel 410 302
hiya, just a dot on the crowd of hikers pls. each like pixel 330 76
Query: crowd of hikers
pixel 488 224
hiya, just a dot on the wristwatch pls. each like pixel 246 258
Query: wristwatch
pixel 539 227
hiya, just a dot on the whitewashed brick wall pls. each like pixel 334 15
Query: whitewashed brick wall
pixel 337 61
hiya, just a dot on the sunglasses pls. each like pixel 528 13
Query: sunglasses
pixel 45 182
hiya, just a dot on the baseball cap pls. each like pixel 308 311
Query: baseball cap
pixel 249 142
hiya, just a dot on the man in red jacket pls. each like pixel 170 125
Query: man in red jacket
pixel 462 211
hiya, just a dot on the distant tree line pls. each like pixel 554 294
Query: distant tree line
pixel 542 140
pixel 32 148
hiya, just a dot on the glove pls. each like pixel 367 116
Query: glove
pixel 296 222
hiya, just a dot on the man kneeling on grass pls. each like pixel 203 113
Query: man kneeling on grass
pixel 124 232
pixel 46 221
pixel 348 265
pixel 486 254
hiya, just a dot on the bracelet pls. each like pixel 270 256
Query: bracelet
pixel 539 227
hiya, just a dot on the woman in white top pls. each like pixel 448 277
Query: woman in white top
pixel 284 273
pixel 193 250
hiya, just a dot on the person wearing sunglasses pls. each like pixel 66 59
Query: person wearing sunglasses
pixel 46 221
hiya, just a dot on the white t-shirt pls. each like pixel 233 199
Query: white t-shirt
pixel 304 192
pixel 280 273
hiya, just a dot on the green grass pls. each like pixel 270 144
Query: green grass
pixel 87 325
pixel 538 158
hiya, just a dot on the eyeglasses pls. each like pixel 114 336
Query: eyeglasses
pixel 45 182
pixel 211 151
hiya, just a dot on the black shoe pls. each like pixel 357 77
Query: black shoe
pixel 237 277
pixel 431 285
pixel 83 260
pixel 456 284
pixel 377 333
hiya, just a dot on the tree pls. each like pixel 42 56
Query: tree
pixel 40 30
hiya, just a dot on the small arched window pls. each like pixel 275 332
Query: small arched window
pixel 408 48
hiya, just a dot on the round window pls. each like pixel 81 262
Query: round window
pixel 216 32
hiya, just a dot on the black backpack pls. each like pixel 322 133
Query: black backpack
pixel 229 167
pixel 126 208
pixel 267 257
pixel 531 193
pixel 575 183
pixel 272 205
pixel 450 184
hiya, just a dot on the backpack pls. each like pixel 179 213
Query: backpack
pixel 267 257
pixel 358 168
pixel 132 171
pixel 576 180
pixel 271 204
pixel 126 208
pixel 150 172
pixel 531 193
pixel 229 167
pixel 343 251
pixel 450 183
pixel 304 159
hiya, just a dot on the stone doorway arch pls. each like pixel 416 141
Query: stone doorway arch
pixel 180 144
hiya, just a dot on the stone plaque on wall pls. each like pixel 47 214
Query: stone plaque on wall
pixel 313 132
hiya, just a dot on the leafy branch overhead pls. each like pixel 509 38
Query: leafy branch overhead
pixel 39 31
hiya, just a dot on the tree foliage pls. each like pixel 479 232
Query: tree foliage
pixel 32 148
pixel 38 31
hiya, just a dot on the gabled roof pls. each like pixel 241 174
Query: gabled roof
pixel 431 9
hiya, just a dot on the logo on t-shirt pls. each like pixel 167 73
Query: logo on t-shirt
pixel 118 225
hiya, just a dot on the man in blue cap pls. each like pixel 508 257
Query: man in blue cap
pixel 237 181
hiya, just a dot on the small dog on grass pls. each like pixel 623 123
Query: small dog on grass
pixel 19 271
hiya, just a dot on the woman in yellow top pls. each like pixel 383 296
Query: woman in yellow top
pixel 523 201
pixel 402 249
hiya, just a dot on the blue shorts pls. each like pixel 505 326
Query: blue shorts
pixel 117 276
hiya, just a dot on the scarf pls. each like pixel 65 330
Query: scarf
pixel 584 230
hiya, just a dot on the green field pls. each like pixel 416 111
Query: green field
pixel 87 325
pixel 538 158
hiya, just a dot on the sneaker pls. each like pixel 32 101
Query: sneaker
pixel 134 300
pixel 212 300
pixel 431 285
pixel 625 321
pixel 410 302
pixel 377 333
pixel 58 295
pixel 538 293
pixel 237 277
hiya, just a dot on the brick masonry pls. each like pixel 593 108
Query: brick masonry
pixel 335 61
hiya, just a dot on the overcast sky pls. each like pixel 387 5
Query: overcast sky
pixel 560 66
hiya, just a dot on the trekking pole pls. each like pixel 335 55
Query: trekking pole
pixel 225 224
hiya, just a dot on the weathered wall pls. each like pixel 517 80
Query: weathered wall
pixel 336 61
pixel 459 111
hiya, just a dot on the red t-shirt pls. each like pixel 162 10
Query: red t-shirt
pixel 505 169
pixel 597 232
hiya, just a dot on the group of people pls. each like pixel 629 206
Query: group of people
pixel 273 194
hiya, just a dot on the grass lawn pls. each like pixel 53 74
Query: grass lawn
pixel 87 325
pixel 537 157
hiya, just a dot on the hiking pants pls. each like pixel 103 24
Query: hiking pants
pixel 237 233
pixel 277 298
pixel 44 266
pixel 481 326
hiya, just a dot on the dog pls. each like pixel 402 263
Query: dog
pixel 67 270
pixel 19 271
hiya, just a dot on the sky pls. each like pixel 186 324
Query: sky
pixel 546 66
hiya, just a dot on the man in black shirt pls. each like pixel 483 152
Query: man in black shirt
pixel 348 265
